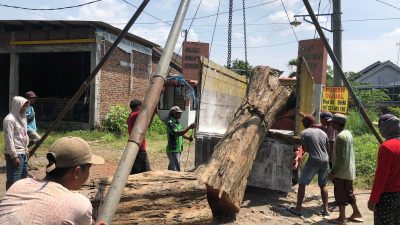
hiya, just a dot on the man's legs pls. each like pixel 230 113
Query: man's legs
pixel 16 173
pixel 174 161
pixel 322 181
pixel 339 187
pixel 300 198
pixel 324 196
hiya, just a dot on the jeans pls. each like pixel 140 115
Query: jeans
pixel 174 161
pixel 312 168
pixel 16 173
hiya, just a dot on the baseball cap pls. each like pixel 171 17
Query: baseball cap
pixel 308 120
pixel 71 151
pixel 30 94
pixel 175 109
pixel 325 115
pixel 339 118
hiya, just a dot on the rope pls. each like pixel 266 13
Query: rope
pixel 190 91
pixel 187 156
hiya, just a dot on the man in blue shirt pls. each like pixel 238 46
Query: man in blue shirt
pixel 30 117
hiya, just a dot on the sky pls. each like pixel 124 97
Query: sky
pixel 371 28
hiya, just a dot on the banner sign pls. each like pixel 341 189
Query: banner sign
pixel 335 99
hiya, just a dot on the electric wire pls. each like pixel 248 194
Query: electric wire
pixel 49 9
pixel 161 20
pixel 215 26
pixel 287 15
pixel 388 4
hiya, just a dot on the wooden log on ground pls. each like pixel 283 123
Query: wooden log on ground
pixel 159 197
pixel 229 167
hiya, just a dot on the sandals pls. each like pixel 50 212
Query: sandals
pixel 293 211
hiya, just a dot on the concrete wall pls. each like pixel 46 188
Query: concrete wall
pixel 221 93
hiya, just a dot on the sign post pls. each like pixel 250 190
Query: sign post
pixel 335 99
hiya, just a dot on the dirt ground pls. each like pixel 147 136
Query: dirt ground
pixel 260 206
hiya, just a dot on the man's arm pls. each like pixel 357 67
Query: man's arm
pixel 382 172
pixel 338 155
pixel 184 131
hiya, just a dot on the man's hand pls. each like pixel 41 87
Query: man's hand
pixel 191 126
pixel 371 206
pixel 15 162
pixel 100 223
pixel 331 176
pixel 190 138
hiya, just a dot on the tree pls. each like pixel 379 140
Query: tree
pixel 241 67
pixel 292 65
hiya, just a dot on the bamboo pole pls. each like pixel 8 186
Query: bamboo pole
pixel 138 132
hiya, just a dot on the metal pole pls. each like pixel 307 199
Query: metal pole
pixel 341 74
pixel 337 39
pixel 138 132
pixel 92 75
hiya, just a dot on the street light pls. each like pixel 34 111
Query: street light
pixel 297 23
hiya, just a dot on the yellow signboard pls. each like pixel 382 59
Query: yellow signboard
pixel 335 99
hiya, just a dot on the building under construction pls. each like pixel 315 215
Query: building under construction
pixel 54 58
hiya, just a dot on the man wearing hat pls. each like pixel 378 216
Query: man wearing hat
pixel 343 171
pixel 326 125
pixel 175 134
pixel 51 200
pixel 30 117
pixel 385 195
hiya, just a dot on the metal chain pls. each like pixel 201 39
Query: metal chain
pixel 245 36
pixel 228 60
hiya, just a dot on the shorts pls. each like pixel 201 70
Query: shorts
pixel 343 190
pixel 14 174
pixel 141 163
pixel 312 168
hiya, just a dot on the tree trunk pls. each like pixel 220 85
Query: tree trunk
pixel 159 197
pixel 225 175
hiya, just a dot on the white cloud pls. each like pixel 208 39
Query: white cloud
pixel 360 53
pixel 257 41
pixel 207 5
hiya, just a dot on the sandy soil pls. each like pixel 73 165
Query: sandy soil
pixel 260 206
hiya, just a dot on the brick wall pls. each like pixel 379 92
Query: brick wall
pixel 114 79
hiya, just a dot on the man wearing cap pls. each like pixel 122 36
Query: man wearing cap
pixel 30 117
pixel 141 163
pixel 175 134
pixel 385 195
pixel 326 125
pixel 314 141
pixel 51 200
pixel 343 171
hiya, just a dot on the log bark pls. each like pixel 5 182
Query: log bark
pixel 225 175
pixel 159 197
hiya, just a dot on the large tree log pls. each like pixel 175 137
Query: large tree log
pixel 159 197
pixel 229 167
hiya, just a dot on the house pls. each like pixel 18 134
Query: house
pixel 54 58
pixel 382 75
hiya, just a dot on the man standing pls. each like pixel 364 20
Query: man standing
pixel 141 163
pixel 343 171
pixel 314 141
pixel 52 200
pixel 30 117
pixel 16 141
pixel 176 133
pixel 385 195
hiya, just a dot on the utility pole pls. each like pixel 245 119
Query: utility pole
pixel 337 40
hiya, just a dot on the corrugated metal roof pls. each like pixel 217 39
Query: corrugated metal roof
pixel 10 24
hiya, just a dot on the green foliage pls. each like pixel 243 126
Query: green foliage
pixel 157 126
pixel 352 75
pixel 115 120
pixel 356 124
pixel 395 111
pixel 292 66
pixel 241 67
pixel 372 96
pixel 366 150
pixel 329 75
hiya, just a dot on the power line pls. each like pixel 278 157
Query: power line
pixel 215 25
pixel 262 46
pixel 287 15
pixel 49 9
pixel 166 22
pixel 388 4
